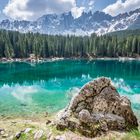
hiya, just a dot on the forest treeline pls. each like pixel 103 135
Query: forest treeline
pixel 18 45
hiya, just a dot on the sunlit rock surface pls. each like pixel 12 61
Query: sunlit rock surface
pixel 96 109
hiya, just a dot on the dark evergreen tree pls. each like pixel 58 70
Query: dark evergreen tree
pixel 19 45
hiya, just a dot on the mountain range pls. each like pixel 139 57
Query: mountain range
pixel 87 23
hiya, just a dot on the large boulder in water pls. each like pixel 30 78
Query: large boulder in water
pixel 96 109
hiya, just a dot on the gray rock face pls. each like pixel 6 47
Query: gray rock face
pixel 97 108
pixel 84 116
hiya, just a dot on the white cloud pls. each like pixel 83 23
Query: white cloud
pixel 122 6
pixel 33 9
pixel 91 5
pixel 77 12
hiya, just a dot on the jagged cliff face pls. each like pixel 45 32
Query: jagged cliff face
pixel 87 23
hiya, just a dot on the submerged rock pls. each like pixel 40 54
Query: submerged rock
pixel 97 108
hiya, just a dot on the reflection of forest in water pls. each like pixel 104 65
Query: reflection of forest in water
pixel 21 72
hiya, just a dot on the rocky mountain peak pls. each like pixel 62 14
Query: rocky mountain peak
pixel 65 23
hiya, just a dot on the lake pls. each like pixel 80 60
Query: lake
pixel 32 89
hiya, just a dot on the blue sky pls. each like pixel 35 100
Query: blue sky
pixel 32 9
pixel 2 5
pixel 99 4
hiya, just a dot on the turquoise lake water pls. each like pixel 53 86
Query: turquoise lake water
pixel 31 89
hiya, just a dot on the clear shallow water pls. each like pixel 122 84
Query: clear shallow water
pixel 27 89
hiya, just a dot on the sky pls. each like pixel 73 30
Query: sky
pixel 33 9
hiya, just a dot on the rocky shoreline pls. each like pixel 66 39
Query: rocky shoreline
pixel 41 60
pixel 42 129
pixel 96 112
